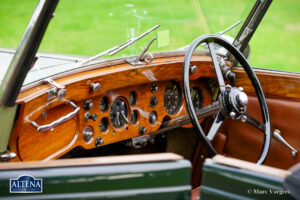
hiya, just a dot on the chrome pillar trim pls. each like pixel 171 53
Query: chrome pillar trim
pixel 25 53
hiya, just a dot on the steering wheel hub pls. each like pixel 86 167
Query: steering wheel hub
pixel 238 100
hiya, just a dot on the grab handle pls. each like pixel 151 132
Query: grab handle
pixel 61 120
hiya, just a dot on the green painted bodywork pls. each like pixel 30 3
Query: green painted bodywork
pixel 7 115
pixel 225 182
pixel 156 180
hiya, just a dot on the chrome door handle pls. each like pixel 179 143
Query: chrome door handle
pixel 59 121
pixel 277 135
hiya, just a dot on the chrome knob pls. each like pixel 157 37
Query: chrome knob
pixel 99 141
pixel 89 116
pixel 244 118
pixel 87 134
pixel 242 98
pixel 95 87
pixel 142 130
pixel 232 115
pixel 193 69
pixel 87 105
pixel 228 88
pixel 6 156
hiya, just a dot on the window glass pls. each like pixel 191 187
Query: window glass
pixel 275 44
pixel 91 26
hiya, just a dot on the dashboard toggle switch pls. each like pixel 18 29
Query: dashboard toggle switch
pixel 89 116
pixel 87 104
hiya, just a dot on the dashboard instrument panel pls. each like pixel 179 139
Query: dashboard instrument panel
pixel 133 108
pixel 136 104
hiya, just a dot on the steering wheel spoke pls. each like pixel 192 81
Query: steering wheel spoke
pixel 216 65
pixel 215 126
pixel 252 121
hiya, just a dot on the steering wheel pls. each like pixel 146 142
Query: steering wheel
pixel 232 101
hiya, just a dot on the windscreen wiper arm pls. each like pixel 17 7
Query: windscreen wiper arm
pixel 116 49
pixel 229 28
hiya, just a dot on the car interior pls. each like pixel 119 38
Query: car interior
pixel 144 111
pixel 190 111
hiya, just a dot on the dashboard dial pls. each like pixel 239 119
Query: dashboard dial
pixel 196 98
pixel 172 97
pixel 118 113
pixel 132 98
pixel 104 104
pixel 103 124
pixel 134 117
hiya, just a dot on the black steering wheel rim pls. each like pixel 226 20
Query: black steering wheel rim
pixel 253 78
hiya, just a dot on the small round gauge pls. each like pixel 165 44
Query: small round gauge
pixel 103 124
pixel 153 101
pixel 132 98
pixel 196 98
pixel 118 113
pixel 104 104
pixel 134 117
pixel 172 97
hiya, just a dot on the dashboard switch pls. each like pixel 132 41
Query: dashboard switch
pixel 99 141
pixel 153 88
pixel 87 104
pixel 95 87
pixel 142 130
pixel 88 134
pixel 89 116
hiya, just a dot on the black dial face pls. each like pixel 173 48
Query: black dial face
pixel 118 113
pixel 153 101
pixel 196 98
pixel 132 98
pixel 103 124
pixel 104 104
pixel 172 98
pixel 134 117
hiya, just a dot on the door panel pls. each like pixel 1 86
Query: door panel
pixel 227 178
pixel 151 176
pixel 282 91
pixel 245 142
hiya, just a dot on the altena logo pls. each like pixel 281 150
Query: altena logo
pixel 25 184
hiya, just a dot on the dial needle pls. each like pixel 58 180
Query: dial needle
pixel 117 119
pixel 123 115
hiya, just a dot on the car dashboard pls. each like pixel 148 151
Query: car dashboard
pixel 105 105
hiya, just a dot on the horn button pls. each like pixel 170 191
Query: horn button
pixel 234 102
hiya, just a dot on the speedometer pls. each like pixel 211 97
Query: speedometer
pixel 118 113
pixel 172 97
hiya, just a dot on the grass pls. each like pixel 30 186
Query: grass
pixel 91 26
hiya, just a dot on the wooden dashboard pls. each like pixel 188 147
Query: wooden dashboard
pixel 141 90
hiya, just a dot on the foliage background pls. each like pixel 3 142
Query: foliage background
pixel 78 29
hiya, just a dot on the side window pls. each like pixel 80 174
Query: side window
pixel 275 44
